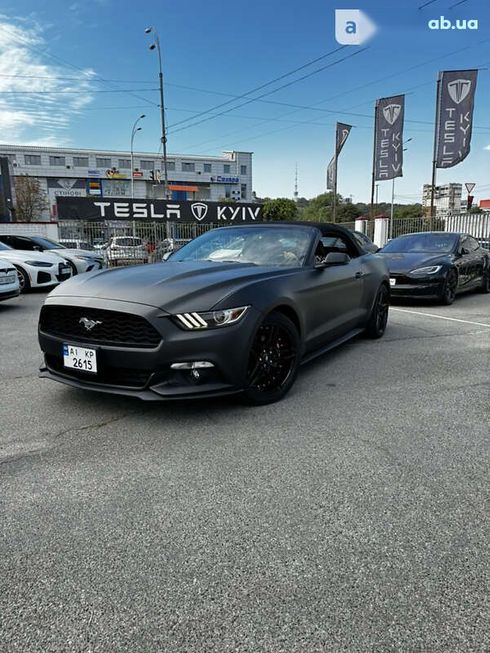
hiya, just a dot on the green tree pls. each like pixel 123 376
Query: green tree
pixel 279 209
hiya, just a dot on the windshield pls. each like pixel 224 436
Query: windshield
pixel 431 243
pixel 46 243
pixel 4 247
pixel 277 246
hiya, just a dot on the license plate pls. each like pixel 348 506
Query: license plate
pixel 80 358
pixel 392 282
pixel 9 278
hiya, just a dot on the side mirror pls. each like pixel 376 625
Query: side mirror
pixel 166 256
pixel 464 251
pixel 336 258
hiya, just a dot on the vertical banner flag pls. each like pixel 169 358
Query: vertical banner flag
pixel 331 174
pixel 455 116
pixel 341 134
pixel 388 147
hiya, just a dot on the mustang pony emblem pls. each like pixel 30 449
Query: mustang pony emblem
pixel 88 324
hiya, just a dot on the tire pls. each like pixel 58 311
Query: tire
pixel 74 270
pixel 448 292
pixel 378 319
pixel 273 360
pixel 485 282
pixel 24 281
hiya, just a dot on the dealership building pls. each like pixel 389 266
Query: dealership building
pixel 107 174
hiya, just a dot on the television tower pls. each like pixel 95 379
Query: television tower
pixel 296 184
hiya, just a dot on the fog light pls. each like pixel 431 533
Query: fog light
pixel 192 365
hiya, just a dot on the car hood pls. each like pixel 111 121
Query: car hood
pixel 22 255
pixel 172 287
pixel 405 262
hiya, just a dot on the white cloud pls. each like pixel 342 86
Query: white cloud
pixel 487 147
pixel 37 106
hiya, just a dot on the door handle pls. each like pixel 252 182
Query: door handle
pixel 359 275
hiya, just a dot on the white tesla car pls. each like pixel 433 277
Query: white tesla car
pixel 36 269
pixel 9 280
pixel 80 260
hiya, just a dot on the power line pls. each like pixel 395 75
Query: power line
pixel 259 88
pixel 65 63
pixel 315 106
pixel 295 81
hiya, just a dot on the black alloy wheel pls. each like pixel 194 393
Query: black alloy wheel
pixel 24 281
pixel 379 316
pixel 448 292
pixel 273 360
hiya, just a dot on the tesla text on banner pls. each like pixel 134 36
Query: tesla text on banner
pixel 388 158
pixel 455 116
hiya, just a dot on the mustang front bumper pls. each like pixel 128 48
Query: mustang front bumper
pixel 146 372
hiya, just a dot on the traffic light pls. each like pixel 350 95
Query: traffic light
pixel 469 202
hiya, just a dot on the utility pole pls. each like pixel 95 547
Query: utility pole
pixel 153 46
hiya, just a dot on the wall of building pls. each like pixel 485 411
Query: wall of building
pixel 104 173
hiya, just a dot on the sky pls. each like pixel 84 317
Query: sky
pixel 78 75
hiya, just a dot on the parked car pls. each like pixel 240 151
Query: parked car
pixel 198 327
pixel 124 250
pixel 80 260
pixel 437 265
pixel 36 269
pixel 75 244
pixel 9 280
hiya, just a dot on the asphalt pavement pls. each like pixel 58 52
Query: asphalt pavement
pixel 352 516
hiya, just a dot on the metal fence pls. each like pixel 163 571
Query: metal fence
pixel 125 242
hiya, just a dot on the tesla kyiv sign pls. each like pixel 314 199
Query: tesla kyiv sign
pixel 87 208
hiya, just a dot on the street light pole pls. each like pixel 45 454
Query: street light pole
pixel 153 46
pixel 133 132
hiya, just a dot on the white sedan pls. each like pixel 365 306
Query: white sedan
pixel 36 270
pixel 9 280
pixel 80 260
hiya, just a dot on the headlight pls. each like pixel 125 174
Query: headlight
pixel 431 269
pixel 39 264
pixel 85 258
pixel 210 320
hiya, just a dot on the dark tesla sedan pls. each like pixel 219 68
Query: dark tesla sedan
pixel 436 265
pixel 236 310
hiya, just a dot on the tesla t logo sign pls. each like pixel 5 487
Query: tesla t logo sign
pixel 199 210
pixel 391 113
pixel 89 324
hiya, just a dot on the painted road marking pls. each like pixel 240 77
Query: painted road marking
pixel 440 317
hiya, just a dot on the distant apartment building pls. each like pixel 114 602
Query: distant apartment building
pixel 447 198
pixel 107 173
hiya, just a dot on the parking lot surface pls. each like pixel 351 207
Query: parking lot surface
pixel 352 516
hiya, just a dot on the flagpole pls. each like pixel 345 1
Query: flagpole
pixel 434 157
pixel 334 209
pixel 374 159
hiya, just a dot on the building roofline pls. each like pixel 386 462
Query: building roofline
pixel 115 153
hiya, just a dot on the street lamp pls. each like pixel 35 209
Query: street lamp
pixel 393 195
pixel 133 132
pixel 153 46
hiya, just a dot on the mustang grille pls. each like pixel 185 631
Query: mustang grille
pixel 110 327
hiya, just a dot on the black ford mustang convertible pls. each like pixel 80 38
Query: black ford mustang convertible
pixel 236 310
